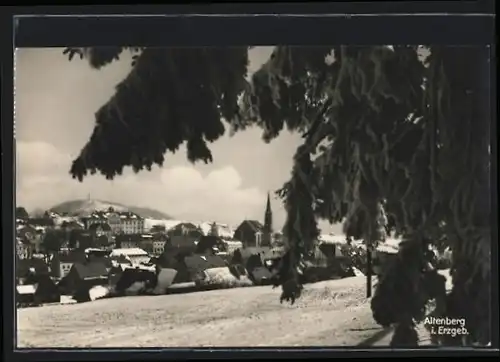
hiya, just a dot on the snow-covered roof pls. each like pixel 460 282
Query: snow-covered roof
pixel 392 242
pixel 26 289
pixel 332 239
pixel 88 250
pixel 129 252
pixel 169 224
pixel 224 230
pixel 389 249
pixel 139 267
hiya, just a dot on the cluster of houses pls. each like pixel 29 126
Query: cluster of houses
pixel 119 251
pixel 110 229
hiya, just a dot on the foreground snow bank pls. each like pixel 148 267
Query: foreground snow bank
pixel 329 313
pixel 98 292
pixel 222 278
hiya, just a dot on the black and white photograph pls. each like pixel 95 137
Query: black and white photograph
pixel 253 196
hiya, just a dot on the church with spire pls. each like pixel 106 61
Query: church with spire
pixel 253 233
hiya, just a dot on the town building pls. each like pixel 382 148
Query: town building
pixel 63 262
pixel 84 276
pixel 252 233
pixel 135 255
pixel 249 233
pixel 159 242
pixel 123 222
pixel 127 241
pixel 43 291
pixel 23 248
pixel 185 229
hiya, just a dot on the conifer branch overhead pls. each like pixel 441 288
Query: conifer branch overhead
pixel 152 110
pixel 387 139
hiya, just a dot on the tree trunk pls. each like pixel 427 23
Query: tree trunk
pixel 368 272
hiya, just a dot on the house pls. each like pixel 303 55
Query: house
pixel 174 256
pixel 136 279
pixel 45 222
pixel 185 229
pixel 208 244
pixel 128 241
pixel 25 267
pixel 23 248
pixel 99 256
pixel 258 262
pixel 31 237
pixel 181 244
pixel 333 249
pixel 62 263
pixel 170 260
pixel 70 224
pixel 153 243
pixel 131 223
pixel 222 230
pixel 160 225
pixel 120 259
pixel 326 253
pixel 159 240
pixel 251 257
pixel 84 275
pixel 198 263
pixel 99 229
pixel 232 246
pixel 43 291
pixel 125 222
pixel 250 233
pixel 135 255
pixel 326 261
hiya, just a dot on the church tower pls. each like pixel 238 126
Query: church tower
pixel 268 224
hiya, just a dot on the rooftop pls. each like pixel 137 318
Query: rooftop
pixel 129 252
pixel 26 289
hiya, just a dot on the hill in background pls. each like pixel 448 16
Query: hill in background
pixel 85 207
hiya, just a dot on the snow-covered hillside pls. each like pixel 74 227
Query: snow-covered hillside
pixel 85 207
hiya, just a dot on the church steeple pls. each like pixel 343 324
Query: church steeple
pixel 268 222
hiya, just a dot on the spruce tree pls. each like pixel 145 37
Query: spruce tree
pixel 383 132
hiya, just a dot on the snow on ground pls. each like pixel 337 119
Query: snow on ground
pixel 331 313
pixel 99 291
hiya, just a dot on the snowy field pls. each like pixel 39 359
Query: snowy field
pixel 332 313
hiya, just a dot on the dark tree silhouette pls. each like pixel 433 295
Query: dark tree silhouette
pixel 52 242
pixel 383 132
pixel 21 213
pixel 73 237
pixel 101 241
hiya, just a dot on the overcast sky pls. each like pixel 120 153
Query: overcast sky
pixel 55 103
